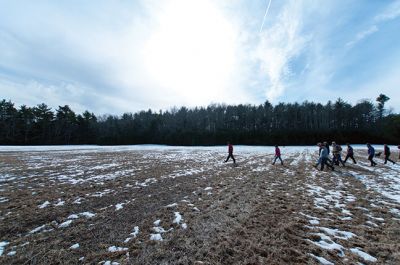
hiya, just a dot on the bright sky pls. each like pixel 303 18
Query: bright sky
pixel 124 56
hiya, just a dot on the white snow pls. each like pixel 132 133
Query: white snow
pixel 321 260
pixel 74 246
pixel 110 263
pixel 156 237
pixel 3 245
pixel 157 222
pixel 178 218
pixel 44 205
pixel 65 224
pixel 208 188
pixel 11 253
pixel 314 222
pixel 363 254
pixel 171 205
pixel 184 226
pixel 37 229
pixel 119 206
pixel 73 216
pixel 60 203
pixel 327 243
pixel 116 249
pixel 87 214
pixel 337 233
pixel 135 231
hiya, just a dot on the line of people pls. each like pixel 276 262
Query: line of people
pixel 324 151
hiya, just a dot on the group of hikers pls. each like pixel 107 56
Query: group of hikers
pixel 324 151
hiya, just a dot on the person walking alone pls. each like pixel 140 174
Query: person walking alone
pixel 386 153
pixel 350 154
pixel 230 155
pixel 371 154
pixel 277 155
pixel 324 158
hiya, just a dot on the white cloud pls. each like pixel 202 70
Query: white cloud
pixel 362 35
pixel 279 43
pixel 391 12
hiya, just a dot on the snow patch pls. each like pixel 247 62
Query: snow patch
pixel 65 224
pixel 44 205
pixel 156 237
pixel 116 249
pixel 74 246
pixel 363 254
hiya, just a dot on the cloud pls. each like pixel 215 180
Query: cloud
pixel 391 12
pixel 279 43
pixel 362 35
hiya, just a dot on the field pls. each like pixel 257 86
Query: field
pixel 183 205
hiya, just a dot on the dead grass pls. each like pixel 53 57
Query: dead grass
pixel 249 217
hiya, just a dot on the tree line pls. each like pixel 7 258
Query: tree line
pixel 265 124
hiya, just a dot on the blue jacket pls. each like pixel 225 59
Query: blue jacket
pixel 324 152
pixel 371 151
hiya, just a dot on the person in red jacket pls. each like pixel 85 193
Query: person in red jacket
pixel 277 155
pixel 230 151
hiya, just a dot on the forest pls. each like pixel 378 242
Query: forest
pixel 264 124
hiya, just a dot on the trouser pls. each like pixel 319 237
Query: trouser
pixel 371 158
pixel 350 156
pixel 318 162
pixel 230 155
pixel 337 158
pixel 324 161
pixel 388 159
pixel 277 157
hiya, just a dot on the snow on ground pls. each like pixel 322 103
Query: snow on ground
pixel 186 176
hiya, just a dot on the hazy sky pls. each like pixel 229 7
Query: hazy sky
pixel 123 56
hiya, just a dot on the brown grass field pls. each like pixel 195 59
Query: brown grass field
pixel 254 213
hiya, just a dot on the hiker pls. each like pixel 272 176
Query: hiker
pixel 371 154
pixel 277 155
pixel 398 147
pixel 230 155
pixel 329 151
pixel 324 157
pixel 386 152
pixel 337 156
pixel 319 155
pixel 350 154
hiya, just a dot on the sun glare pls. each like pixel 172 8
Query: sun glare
pixel 191 53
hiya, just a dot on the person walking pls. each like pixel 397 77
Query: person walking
pixel 277 155
pixel 371 154
pixel 398 147
pixel 319 155
pixel 329 151
pixel 324 158
pixel 386 153
pixel 350 154
pixel 230 155
pixel 337 154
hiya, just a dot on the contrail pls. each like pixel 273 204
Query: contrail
pixel 265 15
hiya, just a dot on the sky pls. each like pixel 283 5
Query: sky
pixel 111 57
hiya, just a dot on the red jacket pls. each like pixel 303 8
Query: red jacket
pixel 277 151
pixel 230 149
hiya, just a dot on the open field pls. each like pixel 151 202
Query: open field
pixel 183 205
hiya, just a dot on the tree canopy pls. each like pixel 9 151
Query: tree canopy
pixel 265 124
